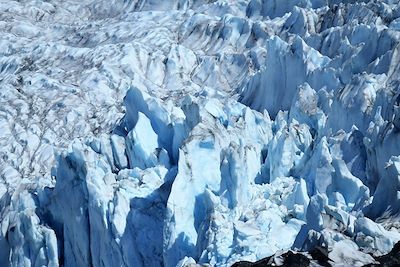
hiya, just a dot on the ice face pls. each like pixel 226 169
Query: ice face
pixel 171 133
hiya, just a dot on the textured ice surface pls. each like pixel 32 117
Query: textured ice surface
pixel 171 133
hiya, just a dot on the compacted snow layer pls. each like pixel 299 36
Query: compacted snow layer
pixel 170 133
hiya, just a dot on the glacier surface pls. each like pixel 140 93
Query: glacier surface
pixel 176 133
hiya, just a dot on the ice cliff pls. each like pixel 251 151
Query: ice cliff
pixel 176 133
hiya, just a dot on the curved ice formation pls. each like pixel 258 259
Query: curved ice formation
pixel 171 133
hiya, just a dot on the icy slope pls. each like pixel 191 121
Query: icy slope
pixel 165 133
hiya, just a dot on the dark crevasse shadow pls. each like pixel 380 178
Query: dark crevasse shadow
pixel 142 242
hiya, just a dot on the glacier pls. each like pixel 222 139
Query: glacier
pixel 198 133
